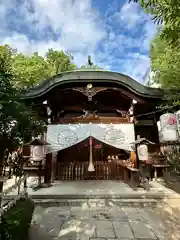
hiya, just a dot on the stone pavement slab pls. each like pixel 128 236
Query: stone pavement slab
pixel 154 223
pixel 142 231
pixel 105 229
pixel 123 230
pixel 123 239
pixel 92 188
pixel 105 223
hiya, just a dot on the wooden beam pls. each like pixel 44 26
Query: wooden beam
pixel 95 119
pixel 144 123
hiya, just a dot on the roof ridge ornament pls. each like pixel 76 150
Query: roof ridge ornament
pixel 90 63
pixel 90 66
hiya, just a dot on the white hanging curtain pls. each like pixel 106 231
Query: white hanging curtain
pixel 66 135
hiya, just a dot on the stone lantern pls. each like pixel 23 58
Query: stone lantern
pixel 38 154
pixel 141 145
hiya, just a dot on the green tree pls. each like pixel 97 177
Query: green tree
pixel 166 12
pixel 17 121
pixel 30 70
pixel 165 63
pixel 58 61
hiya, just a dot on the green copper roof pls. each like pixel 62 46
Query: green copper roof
pixel 91 75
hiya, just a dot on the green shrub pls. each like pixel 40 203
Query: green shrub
pixel 16 221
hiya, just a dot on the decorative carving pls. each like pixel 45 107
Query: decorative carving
pixel 49 114
pixel 122 112
pixel 60 113
pixel 89 114
pixel 89 92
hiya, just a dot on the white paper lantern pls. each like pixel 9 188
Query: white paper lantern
pixel 168 121
pixel 159 126
pixel 178 121
pixel 168 135
pixel 142 151
pixel 37 152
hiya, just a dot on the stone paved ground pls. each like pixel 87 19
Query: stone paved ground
pixel 105 223
pixel 95 187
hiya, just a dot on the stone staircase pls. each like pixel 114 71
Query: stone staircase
pixel 98 193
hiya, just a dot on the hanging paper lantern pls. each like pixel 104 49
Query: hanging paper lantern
pixel 159 126
pixel 168 121
pixel 37 152
pixel 178 121
pixel 168 130
pixel 168 135
pixel 142 151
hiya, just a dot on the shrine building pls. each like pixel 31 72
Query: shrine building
pixel 93 117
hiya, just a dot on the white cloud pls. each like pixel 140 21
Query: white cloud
pixel 139 64
pixel 150 30
pixel 76 23
pixel 129 13
pixel 79 29
pixel 134 18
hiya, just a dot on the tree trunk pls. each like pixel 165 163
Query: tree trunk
pixel 19 185
pixel 1 190
pixel 1 180
pixel 2 153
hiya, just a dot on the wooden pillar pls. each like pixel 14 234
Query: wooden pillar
pixel 48 168
pixel 133 158
pixel 54 166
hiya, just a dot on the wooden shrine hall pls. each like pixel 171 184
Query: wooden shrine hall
pixel 93 117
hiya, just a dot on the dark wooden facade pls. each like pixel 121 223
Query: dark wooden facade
pixel 72 163
pixel 84 96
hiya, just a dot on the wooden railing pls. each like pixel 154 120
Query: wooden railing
pixel 104 170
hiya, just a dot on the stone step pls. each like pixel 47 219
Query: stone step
pixel 97 202
pixel 135 195
pixel 137 199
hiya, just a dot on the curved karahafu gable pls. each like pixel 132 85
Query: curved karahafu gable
pixel 92 76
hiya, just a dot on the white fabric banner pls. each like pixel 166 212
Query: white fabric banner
pixel 62 136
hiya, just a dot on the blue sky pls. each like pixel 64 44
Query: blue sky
pixel 115 33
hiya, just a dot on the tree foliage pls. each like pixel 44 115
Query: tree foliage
pixel 167 13
pixel 165 63
pixel 18 123
pixel 58 61
pixel 28 71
